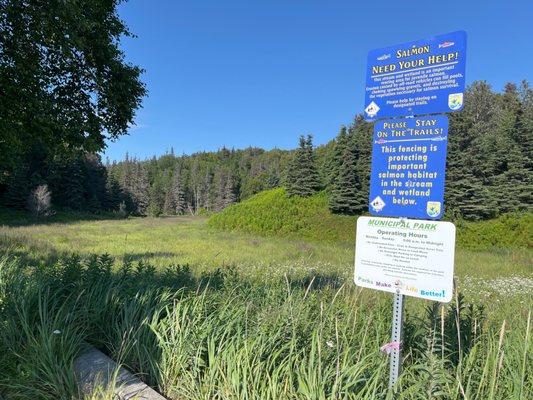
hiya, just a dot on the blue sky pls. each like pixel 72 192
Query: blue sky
pixel 260 73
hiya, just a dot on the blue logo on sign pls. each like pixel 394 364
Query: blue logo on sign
pixel 455 101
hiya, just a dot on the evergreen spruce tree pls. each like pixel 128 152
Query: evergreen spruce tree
pixel 345 186
pixel 524 133
pixel 92 204
pixel 473 158
pixel 524 139
pixel 334 162
pixel 128 174
pixel 157 197
pixel 273 177
pixel 178 192
pixel 73 194
pixel 168 205
pixel 229 191
pixel 219 181
pixel 470 199
pixel 513 188
pixel 94 182
pixel 195 182
pixel 349 192
pixel 360 137
pixel 207 194
pixel 224 183
pixel 508 171
pixel 167 202
pixel 302 175
pixel 18 188
pixel 113 193
pixel 141 189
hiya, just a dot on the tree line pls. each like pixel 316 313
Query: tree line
pixel 197 183
pixel 489 169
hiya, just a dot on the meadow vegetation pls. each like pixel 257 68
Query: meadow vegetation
pixel 275 213
pixel 203 313
pixel 256 302
pixel 199 243
pixel 219 336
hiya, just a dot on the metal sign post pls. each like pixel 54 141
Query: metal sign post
pixel 396 337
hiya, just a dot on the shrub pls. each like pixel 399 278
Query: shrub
pixel 273 212
pixel 509 230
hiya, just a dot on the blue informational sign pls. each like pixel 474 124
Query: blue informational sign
pixel 421 77
pixel 408 167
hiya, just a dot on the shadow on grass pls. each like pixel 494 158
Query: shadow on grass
pixel 14 218
pixel 146 256
pixel 318 281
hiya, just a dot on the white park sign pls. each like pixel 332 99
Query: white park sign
pixel 405 256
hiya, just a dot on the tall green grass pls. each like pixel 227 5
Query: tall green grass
pixel 218 336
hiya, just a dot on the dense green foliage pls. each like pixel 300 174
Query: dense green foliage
pixel 302 175
pixel 208 181
pixel 490 147
pixel 349 169
pixel 507 231
pixel 489 164
pixel 65 89
pixel 76 182
pixel 217 336
pixel 489 170
pixel 65 84
pixel 274 213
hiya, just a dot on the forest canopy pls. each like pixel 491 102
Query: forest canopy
pixel 489 169
pixel 489 165
pixel 64 86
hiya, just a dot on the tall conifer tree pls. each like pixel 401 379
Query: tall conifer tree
pixel 343 197
pixel 349 193
pixel 302 175
pixel 335 160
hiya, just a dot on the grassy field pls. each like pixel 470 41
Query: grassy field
pixel 189 240
pixel 175 240
pixel 202 313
